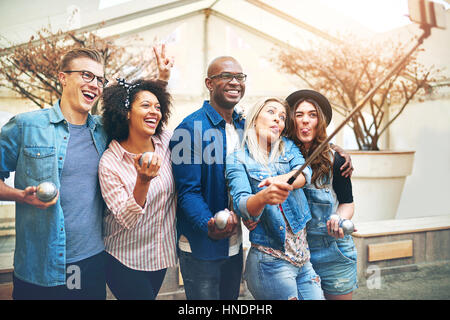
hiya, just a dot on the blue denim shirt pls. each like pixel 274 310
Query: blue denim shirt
pixel 34 144
pixel 198 148
pixel 244 174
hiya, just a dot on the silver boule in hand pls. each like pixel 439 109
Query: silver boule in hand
pixel 148 154
pixel 221 218
pixel 347 225
pixel 46 191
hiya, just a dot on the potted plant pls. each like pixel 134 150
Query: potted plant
pixel 345 71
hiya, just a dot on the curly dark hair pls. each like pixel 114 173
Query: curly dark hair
pixel 114 111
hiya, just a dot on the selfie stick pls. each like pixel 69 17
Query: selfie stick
pixel 319 149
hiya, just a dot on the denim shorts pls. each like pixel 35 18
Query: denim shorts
pixel 335 262
pixel 270 278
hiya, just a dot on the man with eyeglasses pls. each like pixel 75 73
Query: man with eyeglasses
pixel 210 258
pixel 59 251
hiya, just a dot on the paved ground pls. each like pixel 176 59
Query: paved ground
pixel 430 282
pixel 427 283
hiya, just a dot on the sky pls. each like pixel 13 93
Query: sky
pixel 377 15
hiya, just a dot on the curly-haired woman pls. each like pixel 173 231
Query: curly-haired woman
pixel 140 226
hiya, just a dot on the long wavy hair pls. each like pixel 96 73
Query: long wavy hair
pixel 321 166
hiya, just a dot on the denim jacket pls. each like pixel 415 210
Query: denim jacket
pixel 244 174
pixel 198 149
pixel 34 144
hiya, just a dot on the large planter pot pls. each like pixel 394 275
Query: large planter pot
pixel 378 181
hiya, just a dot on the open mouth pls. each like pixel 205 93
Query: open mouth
pixel 305 131
pixel 275 129
pixel 233 92
pixel 89 96
pixel 151 122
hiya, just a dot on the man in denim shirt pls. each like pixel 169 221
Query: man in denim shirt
pixel 59 246
pixel 210 258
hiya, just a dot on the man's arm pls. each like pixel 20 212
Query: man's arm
pixel 9 149
pixel 27 196
pixel 347 167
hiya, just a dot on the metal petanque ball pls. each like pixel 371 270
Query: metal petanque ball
pixel 347 226
pixel 46 191
pixel 221 219
pixel 145 154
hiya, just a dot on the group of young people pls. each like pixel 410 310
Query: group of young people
pixel 122 216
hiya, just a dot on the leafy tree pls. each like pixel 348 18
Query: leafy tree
pixel 31 70
pixel 346 71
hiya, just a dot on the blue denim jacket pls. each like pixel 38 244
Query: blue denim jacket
pixel 244 174
pixel 198 148
pixel 34 144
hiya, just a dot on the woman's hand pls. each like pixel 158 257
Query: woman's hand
pixel 276 192
pixel 334 230
pixel 145 173
pixel 149 168
pixel 163 63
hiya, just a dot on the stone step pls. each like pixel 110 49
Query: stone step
pixel 7 227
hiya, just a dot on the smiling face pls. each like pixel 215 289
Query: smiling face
pixel 145 115
pixel 225 93
pixel 79 96
pixel 270 123
pixel 306 122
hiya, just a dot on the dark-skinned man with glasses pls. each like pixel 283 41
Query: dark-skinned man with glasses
pixel 210 258
pixel 59 251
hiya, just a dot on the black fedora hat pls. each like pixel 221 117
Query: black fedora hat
pixel 323 102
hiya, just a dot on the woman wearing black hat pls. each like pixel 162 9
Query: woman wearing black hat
pixel 333 254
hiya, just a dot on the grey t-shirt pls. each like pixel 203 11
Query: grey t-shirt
pixel 80 194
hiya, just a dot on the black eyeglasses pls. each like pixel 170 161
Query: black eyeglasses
pixel 89 77
pixel 230 76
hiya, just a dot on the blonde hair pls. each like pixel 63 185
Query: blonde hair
pixel 73 54
pixel 250 138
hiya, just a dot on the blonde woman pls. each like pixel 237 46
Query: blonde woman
pixel 278 264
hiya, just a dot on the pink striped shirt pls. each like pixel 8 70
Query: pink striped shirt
pixel 140 238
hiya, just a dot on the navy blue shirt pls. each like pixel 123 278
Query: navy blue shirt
pixel 198 148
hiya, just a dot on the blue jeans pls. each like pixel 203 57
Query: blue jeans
pixel 270 278
pixel 211 279
pixel 335 262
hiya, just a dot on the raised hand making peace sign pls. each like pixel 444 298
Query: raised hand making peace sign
pixel 163 62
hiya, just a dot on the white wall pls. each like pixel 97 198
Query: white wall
pixel 425 128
